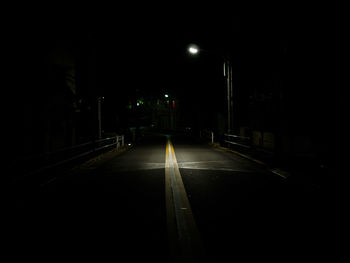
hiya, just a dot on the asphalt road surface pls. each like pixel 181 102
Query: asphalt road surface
pixel 170 199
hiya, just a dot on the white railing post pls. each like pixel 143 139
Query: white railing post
pixel 212 137
pixel 117 141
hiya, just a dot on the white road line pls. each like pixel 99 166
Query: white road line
pixel 215 169
pixel 281 173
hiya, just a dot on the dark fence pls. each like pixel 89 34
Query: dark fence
pixel 207 135
pixel 240 141
pixel 37 163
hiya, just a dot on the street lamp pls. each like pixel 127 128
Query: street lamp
pixel 194 49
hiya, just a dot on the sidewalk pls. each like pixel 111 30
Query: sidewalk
pixel 304 170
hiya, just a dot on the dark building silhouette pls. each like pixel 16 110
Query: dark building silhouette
pixel 53 98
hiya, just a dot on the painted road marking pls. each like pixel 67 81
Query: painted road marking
pixel 276 171
pixel 184 239
pixel 281 173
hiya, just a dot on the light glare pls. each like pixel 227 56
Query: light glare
pixel 193 50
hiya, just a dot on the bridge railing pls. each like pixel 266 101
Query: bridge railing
pixel 241 141
pixel 37 163
pixel 207 135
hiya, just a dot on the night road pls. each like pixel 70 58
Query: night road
pixel 148 133
pixel 170 198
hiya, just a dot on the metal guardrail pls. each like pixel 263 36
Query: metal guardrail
pixel 241 143
pixel 238 140
pixel 35 164
pixel 119 141
pixel 207 134
pixel 233 139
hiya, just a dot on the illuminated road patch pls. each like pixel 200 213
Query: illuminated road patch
pixel 185 243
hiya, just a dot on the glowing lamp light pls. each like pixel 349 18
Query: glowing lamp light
pixel 193 50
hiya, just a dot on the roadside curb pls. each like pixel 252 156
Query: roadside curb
pixel 275 170
pixel 88 165
pixel 101 158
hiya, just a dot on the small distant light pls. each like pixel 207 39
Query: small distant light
pixel 166 95
pixel 129 144
pixel 137 104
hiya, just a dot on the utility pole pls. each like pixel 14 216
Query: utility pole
pixel 228 75
pixel 99 100
pixel 194 49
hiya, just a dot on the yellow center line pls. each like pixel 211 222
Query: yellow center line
pixel 184 239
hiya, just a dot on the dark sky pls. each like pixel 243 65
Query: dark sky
pixel 151 54
pixel 145 48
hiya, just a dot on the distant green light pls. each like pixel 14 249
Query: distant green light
pixel 139 102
